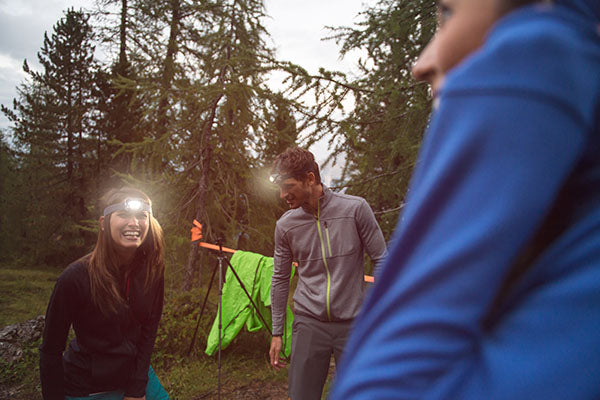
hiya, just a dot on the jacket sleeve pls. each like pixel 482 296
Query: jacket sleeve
pixel 145 345
pixel 370 234
pixel 280 283
pixel 483 184
pixel 56 329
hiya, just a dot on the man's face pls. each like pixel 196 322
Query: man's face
pixel 295 192
pixel 463 25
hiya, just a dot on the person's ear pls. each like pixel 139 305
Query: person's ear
pixel 310 178
pixel 101 220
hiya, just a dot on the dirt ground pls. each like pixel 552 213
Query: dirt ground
pixel 253 391
pixel 257 390
pixel 261 390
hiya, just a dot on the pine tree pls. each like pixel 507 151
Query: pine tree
pixel 378 139
pixel 120 121
pixel 231 93
pixel 12 205
pixel 200 74
pixel 387 123
pixel 55 139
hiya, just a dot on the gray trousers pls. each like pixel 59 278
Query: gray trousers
pixel 313 342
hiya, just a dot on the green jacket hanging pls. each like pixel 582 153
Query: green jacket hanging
pixel 255 272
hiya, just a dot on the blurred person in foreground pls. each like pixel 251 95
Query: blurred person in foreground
pixel 492 286
pixel 113 298
pixel 327 234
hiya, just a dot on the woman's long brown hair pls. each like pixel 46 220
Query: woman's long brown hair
pixel 104 269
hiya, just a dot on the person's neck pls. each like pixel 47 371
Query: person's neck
pixel 316 194
pixel 126 259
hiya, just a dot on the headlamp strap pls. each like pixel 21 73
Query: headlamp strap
pixel 129 204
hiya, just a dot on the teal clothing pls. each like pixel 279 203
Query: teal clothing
pixel 154 391
pixel 255 272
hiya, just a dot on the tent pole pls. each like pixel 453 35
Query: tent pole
pixel 212 278
pixel 221 256
pixel 249 296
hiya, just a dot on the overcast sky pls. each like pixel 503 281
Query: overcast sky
pixel 296 28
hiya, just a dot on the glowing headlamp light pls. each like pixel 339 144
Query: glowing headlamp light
pixel 278 178
pixel 274 178
pixel 130 204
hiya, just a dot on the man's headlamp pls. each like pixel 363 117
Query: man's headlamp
pixel 129 204
pixel 277 178
pixel 274 178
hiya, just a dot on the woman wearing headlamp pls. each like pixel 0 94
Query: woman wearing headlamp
pixel 113 298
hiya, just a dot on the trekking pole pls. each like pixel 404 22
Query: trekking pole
pixel 212 278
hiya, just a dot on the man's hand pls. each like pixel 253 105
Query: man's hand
pixel 277 361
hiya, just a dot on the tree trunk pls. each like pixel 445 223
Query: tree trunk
pixel 169 67
pixel 206 155
pixel 123 35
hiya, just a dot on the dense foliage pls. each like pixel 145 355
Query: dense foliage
pixel 380 136
pixel 180 106
pixel 56 145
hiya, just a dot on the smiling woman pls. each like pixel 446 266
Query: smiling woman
pixel 128 225
pixel 113 298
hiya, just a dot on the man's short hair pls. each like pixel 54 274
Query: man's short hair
pixel 295 162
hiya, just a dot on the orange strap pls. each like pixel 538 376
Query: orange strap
pixel 215 247
pixel 197 235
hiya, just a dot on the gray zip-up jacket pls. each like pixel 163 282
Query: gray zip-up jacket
pixel 329 249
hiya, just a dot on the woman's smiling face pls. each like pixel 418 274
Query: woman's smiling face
pixel 463 25
pixel 128 230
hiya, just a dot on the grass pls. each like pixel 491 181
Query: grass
pixel 24 293
pixel 243 364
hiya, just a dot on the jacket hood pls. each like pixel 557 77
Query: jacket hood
pixel 590 8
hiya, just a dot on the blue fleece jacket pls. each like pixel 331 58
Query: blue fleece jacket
pixel 492 285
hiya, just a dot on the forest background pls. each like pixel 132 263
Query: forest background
pixel 180 106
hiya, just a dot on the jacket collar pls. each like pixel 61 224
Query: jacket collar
pixel 327 194
pixel 323 201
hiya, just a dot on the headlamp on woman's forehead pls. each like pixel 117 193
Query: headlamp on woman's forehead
pixel 129 204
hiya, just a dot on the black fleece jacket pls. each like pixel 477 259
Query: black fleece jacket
pixel 108 352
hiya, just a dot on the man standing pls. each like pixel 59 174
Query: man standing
pixel 326 233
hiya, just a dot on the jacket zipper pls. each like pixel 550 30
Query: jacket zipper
pixel 327 236
pixel 325 257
